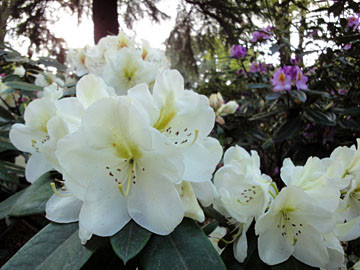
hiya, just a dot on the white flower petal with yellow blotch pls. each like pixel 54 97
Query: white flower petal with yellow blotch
pixel 190 203
pixel 117 156
pixel 313 180
pixel 185 118
pixel 294 226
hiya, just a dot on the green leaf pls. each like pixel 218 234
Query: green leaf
pixel 326 119
pixel 129 241
pixel 292 263
pixel 7 205
pixel 187 247
pixel 287 130
pixel 4 113
pixel 258 85
pixel 298 96
pixel 34 199
pixel 55 247
pixel 273 96
pixel 5 144
pixel 52 63
pixel 5 176
pixel 24 86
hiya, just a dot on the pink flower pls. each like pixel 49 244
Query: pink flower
pixel 2 75
pixel 258 67
pixel 342 92
pixel 262 34
pixel 301 79
pixel 352 22
pixel 237 51
pixel 347 46
pixel 281 80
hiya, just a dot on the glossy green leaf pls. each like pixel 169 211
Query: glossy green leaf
pixel 52 63
pixel 273 96
pixel 7 177
pixel 187 247
pixel 34 199
pixel 5 114
pixel 326 119
pixel 298 96
pixel 258 85
pixel 55 247
pixel 7 205
pixel 23 86
pixel 5 144
pixel 287 130
pixel 129 241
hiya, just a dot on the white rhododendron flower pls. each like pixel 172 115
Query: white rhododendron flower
pixel 125 69
pixel 35 136
pixel 121 168
pixel 352 200
pixel 53 92
pixel 313 180
pixel 294 226
pixel 76 60
pixel 46 79
pixel 20 71
pixel 154 56
pixel 185 118
pixel 244 193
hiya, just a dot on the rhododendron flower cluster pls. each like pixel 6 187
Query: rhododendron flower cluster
pixel 258 67
pixel 144 156
pixel 309 218
pixel 237 52
pixel 285 76
pixel 120 62
pixel 352 22
pixel 262 34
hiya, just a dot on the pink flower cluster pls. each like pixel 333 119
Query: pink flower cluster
pixel 258 67
pixel 262 34
pixel 283 78
pixel 238 51
pixel 352 22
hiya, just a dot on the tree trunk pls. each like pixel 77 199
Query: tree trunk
pixel 105 18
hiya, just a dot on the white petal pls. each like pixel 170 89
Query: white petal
pixel 110 119
pixel 350 230
pixel 36 166
pixel 190 203
pixel 104 210
pixel 63 209
pixel 38 112
pixel 154 204
pixel 273 248
pixel 205 192
pixel 201 159
pixel 84 234
pixel 141 97
pixel 240 246
pixel 164 160
pixel 81 164
pixel 21 137
pixel 71 111
pixel 91 88
pixel 310 248
pixel 169 83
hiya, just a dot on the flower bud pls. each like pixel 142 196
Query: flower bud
pixel 216 101
pixel 228 108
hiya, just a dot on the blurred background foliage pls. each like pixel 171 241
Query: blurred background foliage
pixel 295 123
